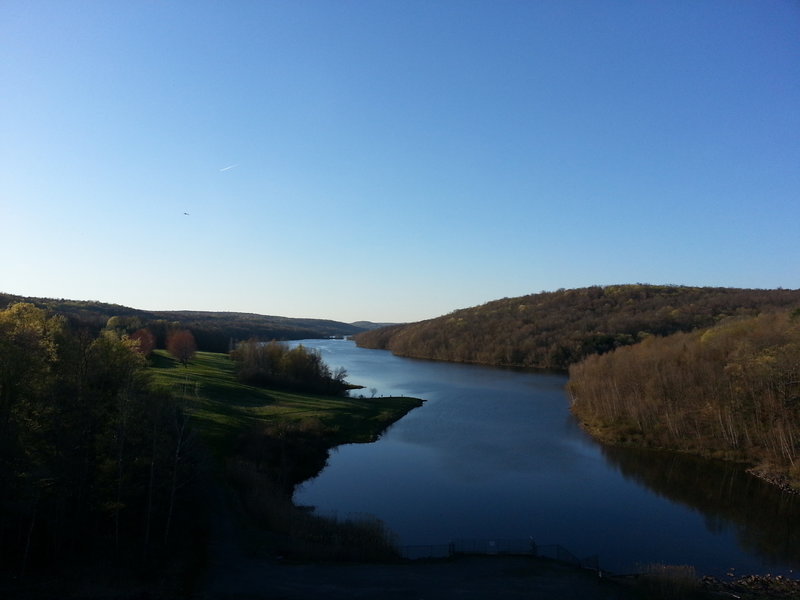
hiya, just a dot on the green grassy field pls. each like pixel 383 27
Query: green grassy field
pixel 222 407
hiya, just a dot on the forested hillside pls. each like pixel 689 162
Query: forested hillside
pixel 556 329
pixel 213 331
pixel 731 391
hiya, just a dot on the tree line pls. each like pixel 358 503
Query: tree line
pixel 94 462
pixel 731 391
pixel 213 331
pixel 275 364
pixel 553 330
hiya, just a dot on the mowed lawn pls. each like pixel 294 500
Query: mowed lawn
pixel 221 407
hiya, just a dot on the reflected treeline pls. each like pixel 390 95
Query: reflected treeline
pixel 766 519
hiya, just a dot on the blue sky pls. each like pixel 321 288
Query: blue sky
pixel 394 161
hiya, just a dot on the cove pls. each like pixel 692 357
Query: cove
pixel 496 454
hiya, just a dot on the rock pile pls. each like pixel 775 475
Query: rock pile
pixel 755 587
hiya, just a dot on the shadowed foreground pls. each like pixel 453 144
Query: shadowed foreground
pixel 242 566
pixel 465 577
pixel 233 572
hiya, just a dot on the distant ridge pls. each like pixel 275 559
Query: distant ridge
pixel 553 330
pixel 214 331
pixel 370 325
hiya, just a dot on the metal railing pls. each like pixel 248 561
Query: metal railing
pixel 507 547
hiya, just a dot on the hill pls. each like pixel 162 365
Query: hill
pixel 553 330
pixel 212 330
pixel 731 391
pixel 371 325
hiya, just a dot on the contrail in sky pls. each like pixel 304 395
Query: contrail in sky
pixel 228 168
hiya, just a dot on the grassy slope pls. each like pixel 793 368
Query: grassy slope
pixel 222 407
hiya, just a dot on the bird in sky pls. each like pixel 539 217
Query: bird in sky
pixel 186 213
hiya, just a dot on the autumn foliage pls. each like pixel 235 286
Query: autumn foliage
pixel 146 340
pixel 181 345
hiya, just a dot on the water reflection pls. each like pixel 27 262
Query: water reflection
pixel 765 521
pixel 496 454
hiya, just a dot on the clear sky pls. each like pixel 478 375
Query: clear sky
pixel 394 160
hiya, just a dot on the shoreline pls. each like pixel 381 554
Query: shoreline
pixel 600 434
pixel 776 479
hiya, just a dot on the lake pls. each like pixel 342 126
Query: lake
pixel 496 454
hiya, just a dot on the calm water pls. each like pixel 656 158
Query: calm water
pixel 495 454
